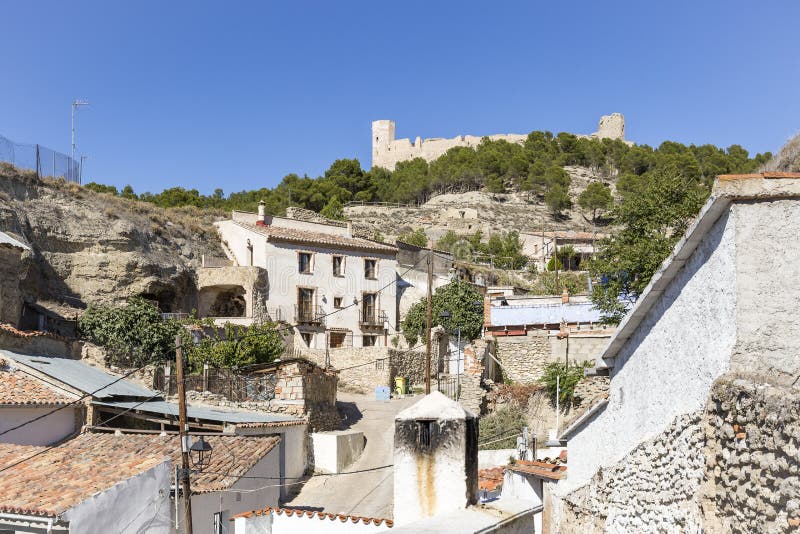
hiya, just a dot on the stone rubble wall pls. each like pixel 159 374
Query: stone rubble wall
pixel 524 358
pixel 38 343
pixel 13 267
pixel 731 467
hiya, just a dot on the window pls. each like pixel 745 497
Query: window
pixel 337 302
pixel 308 338
pixel 336 339
pixel 338 266
pixel 369 341
pixel 424 432
pixel 304 262
pixel 370 269
pixel 305 304
pixel 369 305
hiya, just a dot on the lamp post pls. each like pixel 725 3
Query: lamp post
pixel 200 453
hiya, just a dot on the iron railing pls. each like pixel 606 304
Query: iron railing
pixel 372 318
pixel 309 314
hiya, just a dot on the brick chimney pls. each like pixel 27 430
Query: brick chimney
pixel 260 220
pixel 565 296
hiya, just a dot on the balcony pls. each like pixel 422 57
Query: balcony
pixel 372 318
pixel 309 314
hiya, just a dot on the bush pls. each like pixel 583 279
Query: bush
pixel 133 335
pixel 257 344
pixel 560 379
pixel 499 430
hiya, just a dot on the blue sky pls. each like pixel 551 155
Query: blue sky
pixel 238 94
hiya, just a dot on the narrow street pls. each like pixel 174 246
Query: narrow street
pixel 369 493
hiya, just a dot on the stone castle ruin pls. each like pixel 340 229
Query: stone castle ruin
pixel 388 151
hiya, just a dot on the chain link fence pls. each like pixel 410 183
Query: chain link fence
pixel 44 161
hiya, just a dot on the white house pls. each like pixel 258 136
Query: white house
pixel 34 412
pixel 339 289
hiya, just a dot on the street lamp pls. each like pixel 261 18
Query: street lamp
pixel 200 453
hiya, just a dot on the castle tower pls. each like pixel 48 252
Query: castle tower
pixel 382 138
pixel 435 459
pixel 611 127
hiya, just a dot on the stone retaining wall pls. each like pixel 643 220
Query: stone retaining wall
pixel 732 467
pixel 523 358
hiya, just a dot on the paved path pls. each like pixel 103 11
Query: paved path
pixel 365 494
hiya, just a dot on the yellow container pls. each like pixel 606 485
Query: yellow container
pixel 400 385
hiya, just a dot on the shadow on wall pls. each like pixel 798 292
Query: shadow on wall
pixel 350 414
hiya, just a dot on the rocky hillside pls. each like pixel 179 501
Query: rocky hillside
pixel 93 248
pixel 493 212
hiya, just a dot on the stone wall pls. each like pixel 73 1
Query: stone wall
pixel 302 214
pixel 732 467
pixel 360 369
pixel 523 358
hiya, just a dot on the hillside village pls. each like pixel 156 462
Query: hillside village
pixel 377 366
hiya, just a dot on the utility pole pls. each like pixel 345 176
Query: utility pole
pixel 75 104
pixel 428 323
pixel 555 263
pixel 183 430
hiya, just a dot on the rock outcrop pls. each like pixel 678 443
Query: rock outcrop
pixel 91 247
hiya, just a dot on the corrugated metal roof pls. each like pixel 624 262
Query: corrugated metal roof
pixel 81 376
pixel 582 312
pixel 198 412
pixel 5 238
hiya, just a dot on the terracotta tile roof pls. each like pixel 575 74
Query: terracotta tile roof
pixel 231 458
pixel 540 469
pixel 290 512
pixel 490 479
pixel 272 424
pixel 276 233
pixel 58 479
pixel 30 333
pixel 18 388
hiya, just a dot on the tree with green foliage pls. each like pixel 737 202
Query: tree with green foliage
pixel 596 197
pixel 460 299
pixel 650 223
pixel 237 346
pixel 557 200
pixel 333 209
pixel 414 237
pixel 506 250
pixel 499 429
pixel 133 334
pixel 560 378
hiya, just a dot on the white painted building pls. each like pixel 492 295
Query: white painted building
pixel 723 303
pixel 340 290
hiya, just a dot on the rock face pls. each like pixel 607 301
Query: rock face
pixel 97 248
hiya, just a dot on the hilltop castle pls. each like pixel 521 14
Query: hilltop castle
pixel 388 151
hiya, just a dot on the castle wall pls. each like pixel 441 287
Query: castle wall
pixel 387 151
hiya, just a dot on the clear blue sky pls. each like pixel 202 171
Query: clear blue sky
pixel 238 94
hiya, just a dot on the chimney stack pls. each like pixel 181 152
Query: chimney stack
pixel 565 296
pixel 260 220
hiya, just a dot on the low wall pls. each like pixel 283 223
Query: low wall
pixel 38 343
pixel 335 451
pixel 523 358
pixel 495 457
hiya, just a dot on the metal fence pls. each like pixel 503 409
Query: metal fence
pixel 44 161
pixel 233 386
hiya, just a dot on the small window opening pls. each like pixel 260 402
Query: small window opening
pixel 337 302
pixel 424 430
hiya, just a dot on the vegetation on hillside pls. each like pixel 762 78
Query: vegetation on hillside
pixel 504 250
pixel 536 167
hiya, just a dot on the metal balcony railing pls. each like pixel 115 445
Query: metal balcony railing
pixel 309 314
pixel 372 318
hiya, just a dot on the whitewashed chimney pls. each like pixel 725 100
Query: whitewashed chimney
pixel 435 459
pixel 261 209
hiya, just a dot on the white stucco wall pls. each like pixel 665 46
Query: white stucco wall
pixel 281 262
pixel 139 504
pixel 48 430
pixel 275 523
pixel 245 495
pixel 335 451
pixel 668 365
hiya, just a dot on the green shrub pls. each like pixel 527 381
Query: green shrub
pixel 499 430
pixel 237 346
pixel 561 378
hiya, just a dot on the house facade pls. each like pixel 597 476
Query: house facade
pixel 338 290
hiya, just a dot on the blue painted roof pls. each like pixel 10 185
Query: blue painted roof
pixel 81 376
pixel 578 312
pixel 198 412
